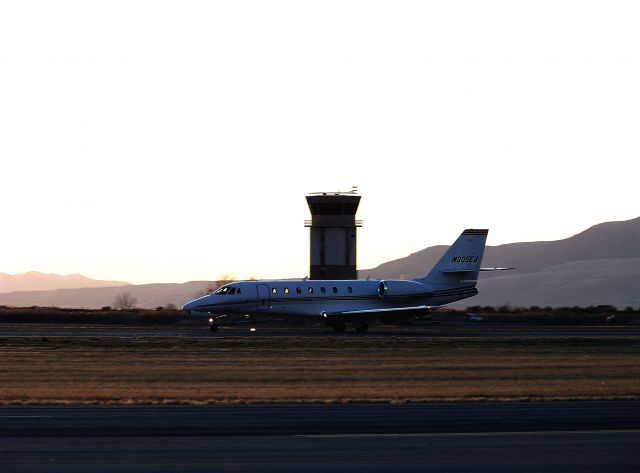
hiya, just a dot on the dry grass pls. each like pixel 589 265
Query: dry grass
pixel 308 369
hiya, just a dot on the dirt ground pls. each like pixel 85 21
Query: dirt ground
pixel 154 370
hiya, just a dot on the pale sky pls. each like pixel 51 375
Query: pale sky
pixel 166 141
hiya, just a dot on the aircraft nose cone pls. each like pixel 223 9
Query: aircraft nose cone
pixel 187 308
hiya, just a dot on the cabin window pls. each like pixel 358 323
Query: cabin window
pixel 349 289
pixel 323 290
pixel 286 290
pixel 274 290
pixel 298 290
pixel 310 290
pixel 335 290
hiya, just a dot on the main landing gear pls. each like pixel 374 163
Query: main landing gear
pixel 340 326
pixel 362 327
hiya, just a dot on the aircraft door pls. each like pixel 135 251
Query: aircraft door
pixel 263 303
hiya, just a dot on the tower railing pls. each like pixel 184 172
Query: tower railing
pixel 329 222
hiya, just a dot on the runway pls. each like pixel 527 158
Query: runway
pixel 478 437
pixel 430 331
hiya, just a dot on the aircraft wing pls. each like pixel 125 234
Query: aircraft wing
pixel 373 313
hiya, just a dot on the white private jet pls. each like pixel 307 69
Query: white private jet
pixel 355 301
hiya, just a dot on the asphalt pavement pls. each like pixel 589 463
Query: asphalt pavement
pixel 453 437
pixel 430 331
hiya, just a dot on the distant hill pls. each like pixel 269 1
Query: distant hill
pixel 579 283
pixel 148 295
pixel 35 281
pixel 598 266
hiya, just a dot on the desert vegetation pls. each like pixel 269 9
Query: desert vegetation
pixel 106 315
pixel 593 315
pixel 124 301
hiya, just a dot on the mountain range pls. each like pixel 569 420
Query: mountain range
pixel 35 281
pixel 600 265
pixel 148 296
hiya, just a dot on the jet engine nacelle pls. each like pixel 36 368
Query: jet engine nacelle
pixel 399 288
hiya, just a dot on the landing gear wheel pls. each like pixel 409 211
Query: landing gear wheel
pixel 339 326
pixel 362 328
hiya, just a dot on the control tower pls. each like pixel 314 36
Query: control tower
pixel 333 234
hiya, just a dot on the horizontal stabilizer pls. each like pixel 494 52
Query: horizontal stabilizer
pixel 474 270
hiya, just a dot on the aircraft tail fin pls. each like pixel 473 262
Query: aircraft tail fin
pixel 460 264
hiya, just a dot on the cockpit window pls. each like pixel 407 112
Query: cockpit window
pixel 224 290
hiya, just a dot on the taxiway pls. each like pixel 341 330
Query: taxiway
pixel 453 437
